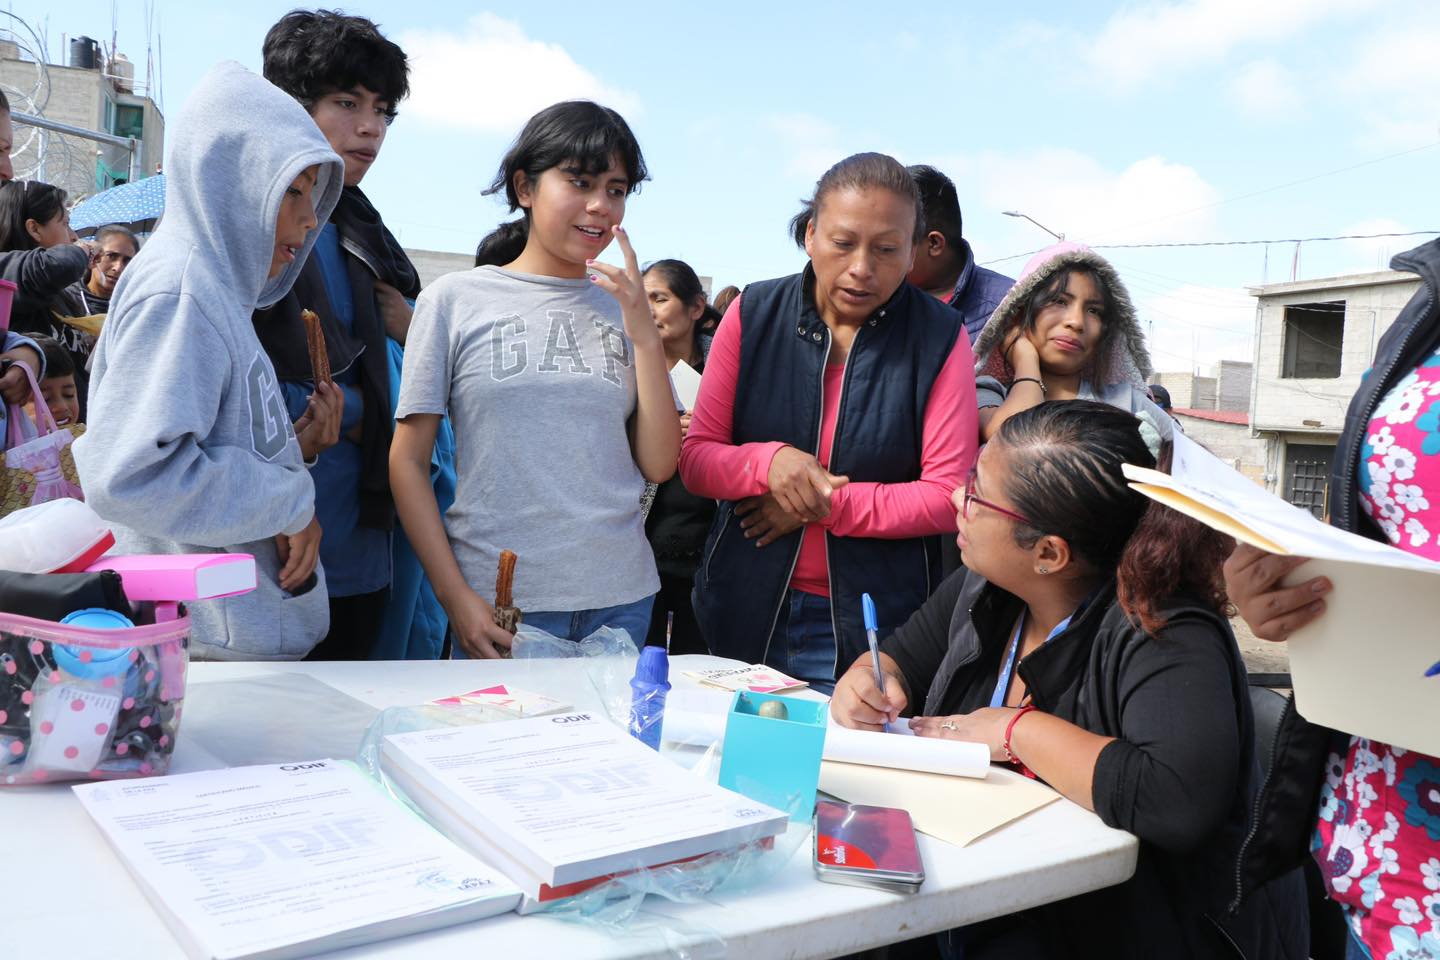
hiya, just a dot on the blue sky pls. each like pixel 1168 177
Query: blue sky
pixel 1143 122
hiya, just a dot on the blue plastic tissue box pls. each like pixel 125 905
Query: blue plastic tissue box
pixel 776 762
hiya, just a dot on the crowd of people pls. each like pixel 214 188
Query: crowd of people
pixel 893 420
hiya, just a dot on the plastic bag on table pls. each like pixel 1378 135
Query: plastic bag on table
pixel 609 654
pixel 615 905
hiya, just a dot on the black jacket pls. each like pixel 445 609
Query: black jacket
pixel 678 522
pixel 372 252
pixel 1285 811
pixel 1179 774
pixel 44 278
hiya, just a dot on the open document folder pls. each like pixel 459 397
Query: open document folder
pixel 1361 666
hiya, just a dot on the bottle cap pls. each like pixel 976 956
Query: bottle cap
pixel 653 666
pixel 93 662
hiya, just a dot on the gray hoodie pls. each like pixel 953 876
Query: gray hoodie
pixel 189 448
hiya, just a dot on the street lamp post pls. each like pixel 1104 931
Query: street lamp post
pixel 1026 216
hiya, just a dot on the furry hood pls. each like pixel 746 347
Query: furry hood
pixel 1128 359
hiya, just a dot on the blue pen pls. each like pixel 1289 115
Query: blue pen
pixel 1434 670
pixel 872 624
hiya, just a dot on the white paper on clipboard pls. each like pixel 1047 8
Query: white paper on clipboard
pixel 1360 667
pixel 686 381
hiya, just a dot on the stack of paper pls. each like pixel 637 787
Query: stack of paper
pixel 1361 666
pixel 288 860
pixel 562 803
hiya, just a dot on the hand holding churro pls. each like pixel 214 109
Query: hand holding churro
pixel 507 615
pixel 315 342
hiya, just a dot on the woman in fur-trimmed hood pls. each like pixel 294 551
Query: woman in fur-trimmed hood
pixel 1066 330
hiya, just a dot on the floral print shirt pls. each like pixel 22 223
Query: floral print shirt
pixel 1378 836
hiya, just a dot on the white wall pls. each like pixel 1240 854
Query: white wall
pixel 1372 302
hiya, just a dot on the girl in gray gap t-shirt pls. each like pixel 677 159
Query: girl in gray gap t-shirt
pixel 553 375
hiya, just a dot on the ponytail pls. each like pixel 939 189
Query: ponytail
pixel 504 244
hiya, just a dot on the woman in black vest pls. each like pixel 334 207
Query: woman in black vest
pixel 836 416
pixel 1086 641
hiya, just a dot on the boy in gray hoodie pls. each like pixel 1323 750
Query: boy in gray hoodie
pixel 189 447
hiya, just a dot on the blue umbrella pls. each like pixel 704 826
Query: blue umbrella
pixel 136 205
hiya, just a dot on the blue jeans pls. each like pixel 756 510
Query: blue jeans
pixel 803 641
pixel 1354 949
pixel 576 625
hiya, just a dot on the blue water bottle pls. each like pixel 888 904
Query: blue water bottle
pixel 647 700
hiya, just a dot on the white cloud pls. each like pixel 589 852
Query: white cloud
pixel 1072 193
pixel 1265 89
pixel 1139 43
pixel 1395 78
pixel 490 76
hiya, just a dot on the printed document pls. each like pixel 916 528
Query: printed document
pixel 288 860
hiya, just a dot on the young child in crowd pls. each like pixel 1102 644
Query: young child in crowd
pixel 190 448
pixel 57 388
pixel 554 376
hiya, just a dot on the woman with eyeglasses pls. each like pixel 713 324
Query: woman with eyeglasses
pixel 1085 643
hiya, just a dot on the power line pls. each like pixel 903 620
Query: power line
pixel 1283 186
pixel 1225 243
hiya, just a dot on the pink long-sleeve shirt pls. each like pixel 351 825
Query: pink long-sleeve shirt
pixel 713 466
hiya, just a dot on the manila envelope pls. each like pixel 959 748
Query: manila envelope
pixel 958 810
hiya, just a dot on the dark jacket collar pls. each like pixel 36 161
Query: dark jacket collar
pixel 810 321
pixel 365 235
pixel 967 273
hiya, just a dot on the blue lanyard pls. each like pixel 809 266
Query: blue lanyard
pixel 1002 686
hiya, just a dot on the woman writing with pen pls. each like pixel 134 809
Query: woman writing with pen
pixel 836 416
pixel 1084 642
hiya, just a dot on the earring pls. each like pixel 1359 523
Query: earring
pixel 1044 569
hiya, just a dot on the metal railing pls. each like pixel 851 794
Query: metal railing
pixel 129 144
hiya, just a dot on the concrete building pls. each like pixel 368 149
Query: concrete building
pixel 1313 341
pixel 1188 390
pixel 98 94
pixel 1227 387
pixel 433 264
pixel 1226 433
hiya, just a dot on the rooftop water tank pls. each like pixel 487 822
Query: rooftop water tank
pixel 85 53
pixel 122 71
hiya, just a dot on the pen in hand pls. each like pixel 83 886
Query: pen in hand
pixel 1434 670
pixel 872 637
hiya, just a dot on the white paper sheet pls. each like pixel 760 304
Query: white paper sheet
pixel 572 797
pixel 686 382
pixel 288 859
pixel 1360 666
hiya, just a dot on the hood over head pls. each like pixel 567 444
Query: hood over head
pixel 236 146
pixel 1128 359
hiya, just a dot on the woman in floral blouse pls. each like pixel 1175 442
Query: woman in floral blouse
pixel 1377 831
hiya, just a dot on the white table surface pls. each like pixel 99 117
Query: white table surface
pixel 68 895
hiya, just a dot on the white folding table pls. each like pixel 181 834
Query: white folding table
pixel 69 896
